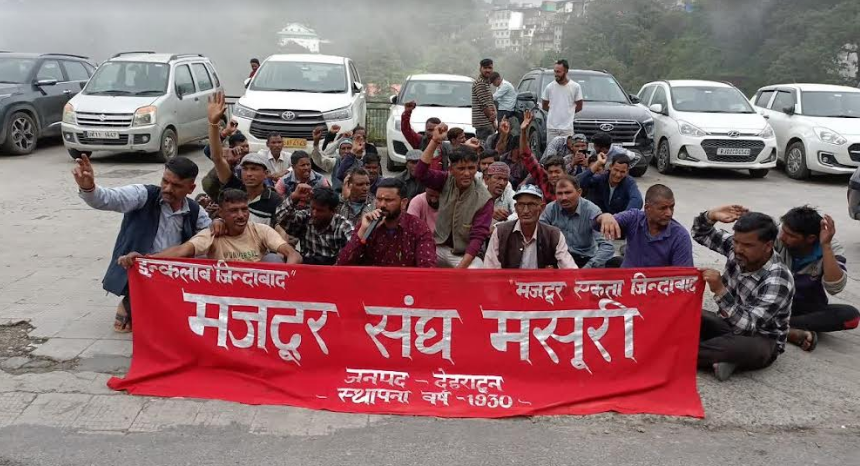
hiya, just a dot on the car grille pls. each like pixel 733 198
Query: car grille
pixel 854 152
pixel 711 145
pixel 400 148
pixel 270 121
pixel 104 120
pixel 622 130
pixel 123 140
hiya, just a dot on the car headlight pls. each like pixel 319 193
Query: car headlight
pixel 829 136
pixel 397 125
pixel 68 114
pixel 690 130
pixel 767 132
pixel 649 127
pixel 144 116
pixel 339 114
pixel 242 111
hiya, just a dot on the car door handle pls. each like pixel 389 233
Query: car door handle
pixel 197 99
pixel 766 117
pixel 67 91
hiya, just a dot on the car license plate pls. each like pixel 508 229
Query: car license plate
pixel 732 151
pixel 295 143
pixel 102 135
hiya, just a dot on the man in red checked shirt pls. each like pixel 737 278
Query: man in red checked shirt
pixel 399 240
pixel 544 176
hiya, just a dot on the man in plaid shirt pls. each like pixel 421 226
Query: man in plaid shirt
pixel 753 294
pixel 322 233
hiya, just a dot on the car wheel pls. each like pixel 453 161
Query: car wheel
pixel 759 173
pixel 169 146
pixel 664 158
pixel 21 134
pixel 638 171
pixel 74 154
pixel 534 143
pixel 795 162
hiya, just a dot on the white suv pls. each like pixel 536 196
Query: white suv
pixel 708 124
pixel 141 102
pixel 817 126
pixel 293 94
pixel 444 96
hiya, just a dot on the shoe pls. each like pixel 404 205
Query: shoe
pixel 724 370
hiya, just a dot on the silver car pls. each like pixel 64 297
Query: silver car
pixel 142 102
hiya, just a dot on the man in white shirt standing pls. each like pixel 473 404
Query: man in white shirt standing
pixel 562 99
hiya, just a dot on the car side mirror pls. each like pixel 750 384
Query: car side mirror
pixel 790 110
pixel 634 98
pixel 358 87
pixel 179 93
pixel 47 82
pixel 247 81
pixel 393 100
pixel 526 97
pixel 656 108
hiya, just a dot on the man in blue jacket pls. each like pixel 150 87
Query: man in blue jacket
pixel 155 218
pixel 613 191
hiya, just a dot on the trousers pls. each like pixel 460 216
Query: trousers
pixel 719 343
pixel 830 318
pixel 446 258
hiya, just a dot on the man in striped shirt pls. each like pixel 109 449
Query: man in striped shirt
pixel 483 107
pixel 753 294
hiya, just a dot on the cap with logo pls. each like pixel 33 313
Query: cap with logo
pixel 529 189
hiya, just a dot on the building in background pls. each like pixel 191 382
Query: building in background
pixel 301 35
pixel 525 28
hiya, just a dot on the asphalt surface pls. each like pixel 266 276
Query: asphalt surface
pixel 805 409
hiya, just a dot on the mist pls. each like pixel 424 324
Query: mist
pixel 228 32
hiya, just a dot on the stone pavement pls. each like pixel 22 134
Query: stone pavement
pixel 55 250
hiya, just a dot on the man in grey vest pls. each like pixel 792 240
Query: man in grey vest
pixel 155 218
pixel 526 243
pixel 465 205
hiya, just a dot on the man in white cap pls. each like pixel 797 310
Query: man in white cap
pixel 413 186
pixel 263 201
pixel 526 243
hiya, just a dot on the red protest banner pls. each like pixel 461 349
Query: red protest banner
pixel 443 343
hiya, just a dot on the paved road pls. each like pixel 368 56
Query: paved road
pixel 55 408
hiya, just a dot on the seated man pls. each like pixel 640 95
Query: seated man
pixel 544 176
pixel 353 158
pixel 417 141
pixel 321 232
pixel 300 174
pixel 242 241
pixel 413 186
pixel 355 199
pixel 238 148
pixel 753 294
pixel 654 237
pixel 496 180
pixel 465 206
pixel 276 158
pixel 526 243
pixel 564 146
pixel 264 200
pixel 425 206
pixel 398 240
pixel 155 218
pixel 817 262
pixel 372 164
pixel 614 191
pixel 602 143
pixel 574 216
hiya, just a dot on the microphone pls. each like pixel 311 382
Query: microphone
pixel 372 227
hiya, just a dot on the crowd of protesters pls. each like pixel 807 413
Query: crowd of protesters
pixel 484 202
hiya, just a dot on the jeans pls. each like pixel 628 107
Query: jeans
pixel 447 259
pixel 830 318
pixel 554 133
pixel 719 343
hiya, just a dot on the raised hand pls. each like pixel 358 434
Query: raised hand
pixel 440 133
pixel 84 175
pixel 599 163
pixel 828 230
pixel 411 105
pixel 528 116
pixel 334 129
pixel 217 108
pixel 726 213
pixel 317 134
pixel 473 143
pixel 505 127
pixel 347 186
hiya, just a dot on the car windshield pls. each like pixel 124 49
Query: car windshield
pixel 285 76
pixel 15 70
pixel 129 78
pixel 709 99
pixel 599 88
pixel 831 104
pixel 438 93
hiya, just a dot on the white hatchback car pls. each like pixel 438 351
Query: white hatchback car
pixel 817 126
pixel 707 124
pixel 444 96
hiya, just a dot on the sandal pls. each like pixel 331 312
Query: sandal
pixel 122 322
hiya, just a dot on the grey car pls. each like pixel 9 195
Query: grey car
pixel 34 88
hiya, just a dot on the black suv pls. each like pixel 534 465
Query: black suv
pixel 34 88
pixel 607 108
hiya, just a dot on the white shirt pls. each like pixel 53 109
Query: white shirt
pixel 562 104
pixel 529 260
pixel 279 165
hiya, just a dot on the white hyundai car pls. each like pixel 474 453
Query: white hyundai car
pixel 444 96
pixel 706 124
pixel 817 126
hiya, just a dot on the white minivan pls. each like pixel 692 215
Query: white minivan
pixel 817 126
pixel 707 124
pixel 292 94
